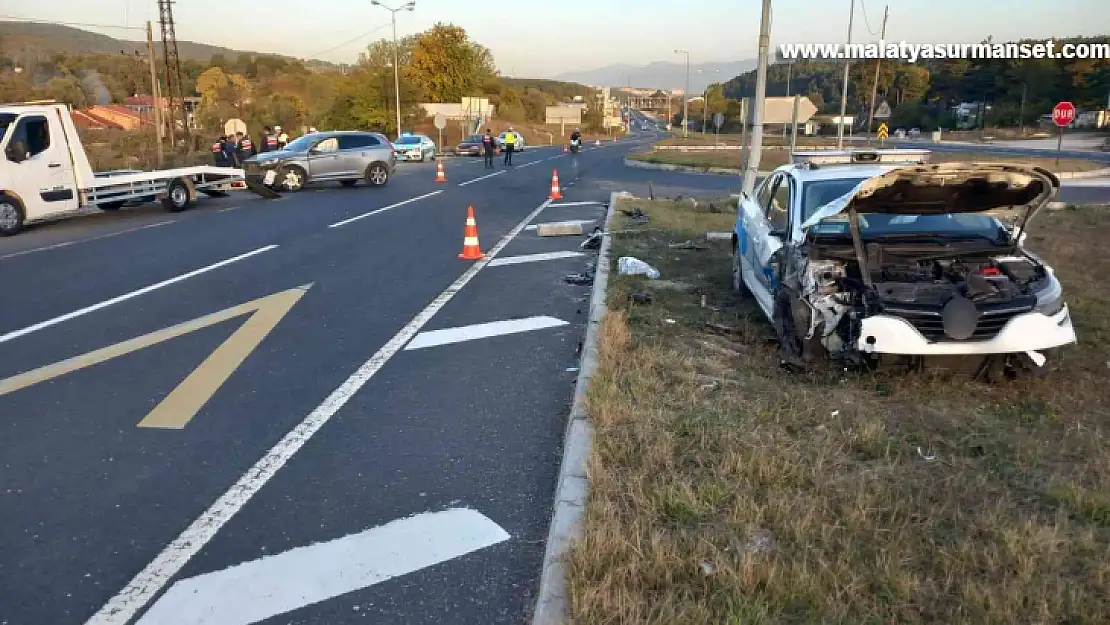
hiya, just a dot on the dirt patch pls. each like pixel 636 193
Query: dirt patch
pixel 724 490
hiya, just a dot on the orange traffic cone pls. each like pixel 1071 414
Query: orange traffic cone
pixel 555 195
pixel 471 248
pixel 440 175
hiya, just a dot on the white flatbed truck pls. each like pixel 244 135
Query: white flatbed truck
pixel 45 173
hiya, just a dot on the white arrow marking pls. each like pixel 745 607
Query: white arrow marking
pixel 260 589
pixel 447 336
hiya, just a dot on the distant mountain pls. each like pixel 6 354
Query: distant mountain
pixel 660 75
pixel 30 39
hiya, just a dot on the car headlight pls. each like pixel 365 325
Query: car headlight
pixel 1050 297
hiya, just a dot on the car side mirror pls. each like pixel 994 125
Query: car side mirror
pixel 17 151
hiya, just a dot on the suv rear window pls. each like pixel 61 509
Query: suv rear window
pixel 351 142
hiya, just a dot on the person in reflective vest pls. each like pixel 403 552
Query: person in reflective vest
pixel 266 140
pixel 244 149
pixel 510 144
pixel 281 138
pixel 220 152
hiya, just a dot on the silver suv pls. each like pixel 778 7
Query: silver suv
pixel 338 156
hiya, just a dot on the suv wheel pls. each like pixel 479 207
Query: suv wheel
pixel 738 285
pixel 292 178
pixel 377 175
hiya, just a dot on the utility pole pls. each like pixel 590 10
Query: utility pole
pixel 752 168
pixel 173 72
pixel 1021 114
pixel 844 91
pixel 670 94
pixel 685 95
pixel 789 72
pixel 154 99
pixel 408 6
pixel 875 84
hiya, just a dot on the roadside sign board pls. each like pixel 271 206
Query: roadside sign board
pixel 718 120
pixel 883 112
pixel 883 132
pixel 1063 114
pixel 440 121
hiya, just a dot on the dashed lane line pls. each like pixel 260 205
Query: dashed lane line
pixel 532 258
pixel 384 209
pixel 121 608
pixel 447 336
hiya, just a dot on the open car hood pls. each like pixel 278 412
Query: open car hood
pixel 1006 191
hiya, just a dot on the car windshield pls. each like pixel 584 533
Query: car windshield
pixel 302 144
pixel 473 139
pixel 6 119
pixel 408 141
pixel 817 193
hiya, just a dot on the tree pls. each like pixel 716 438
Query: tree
pixel 911 83
pixel 379 54
pixel 446 65
pixel 284 109
pixel 66 89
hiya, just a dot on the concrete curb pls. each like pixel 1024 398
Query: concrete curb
pixel 728 171
pixel 552 601
pixel 721 171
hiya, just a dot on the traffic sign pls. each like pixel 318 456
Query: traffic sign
pixel 883 112
pixel 884 132
pixel 1063 114
pixel 718 120
pixel 441 121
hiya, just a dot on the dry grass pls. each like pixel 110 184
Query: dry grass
pixel 724 490
pixel 775 157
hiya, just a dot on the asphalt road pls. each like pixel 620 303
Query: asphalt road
pixel 306 410
pixel 267 384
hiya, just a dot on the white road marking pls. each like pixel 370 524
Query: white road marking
pixel 532 258
pixel 496 173
pixel 562 204
pixel 529 164
pixel 384 208
pixel 569 221
pixel 149 582
pixel 254 591
pixel 56 246
pixel 553 157
pixel 228 209
pixel 126 296
pixel 448 336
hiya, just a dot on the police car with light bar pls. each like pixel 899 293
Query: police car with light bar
pixel 879 258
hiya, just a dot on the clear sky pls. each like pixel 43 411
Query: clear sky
pixel 545 37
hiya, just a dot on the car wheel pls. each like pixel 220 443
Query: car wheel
pixel 292 178
pixel 11 216
pixel 738 285
pixel 423 156
pixel 377 175
pixel 177 196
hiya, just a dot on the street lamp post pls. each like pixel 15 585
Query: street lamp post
pixel 705 102
pixel 685 95
pixel 408 6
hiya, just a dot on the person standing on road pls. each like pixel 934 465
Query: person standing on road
pixel 282 138
pixel 266 140
pixel 510 143
pixel 219 151
pixel 244 147
pixel 487 148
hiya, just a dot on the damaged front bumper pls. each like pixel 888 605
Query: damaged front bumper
pixel 1027 332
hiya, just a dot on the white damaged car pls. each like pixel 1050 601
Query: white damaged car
pixel 879 258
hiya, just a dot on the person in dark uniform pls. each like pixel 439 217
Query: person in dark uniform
pixel 264 139
pixel 244 149
pixel 487 148
pixel 219 152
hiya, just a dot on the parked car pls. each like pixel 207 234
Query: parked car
pixel 337 156
pixel 410 147
pixel 874 257
pixel 518 147
pixel 472 146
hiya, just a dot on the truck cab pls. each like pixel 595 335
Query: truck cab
pixel 37 177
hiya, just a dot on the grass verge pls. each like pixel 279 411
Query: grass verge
pixel 726 491
pixel 777 157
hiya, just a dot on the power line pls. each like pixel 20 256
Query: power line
pixel 349 41
pixel 59 23
pixel 867 22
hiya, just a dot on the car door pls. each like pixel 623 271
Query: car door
pixel 323 160
pixel 354 153
pixel 42 174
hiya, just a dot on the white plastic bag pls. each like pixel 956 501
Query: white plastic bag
pixel 629 266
